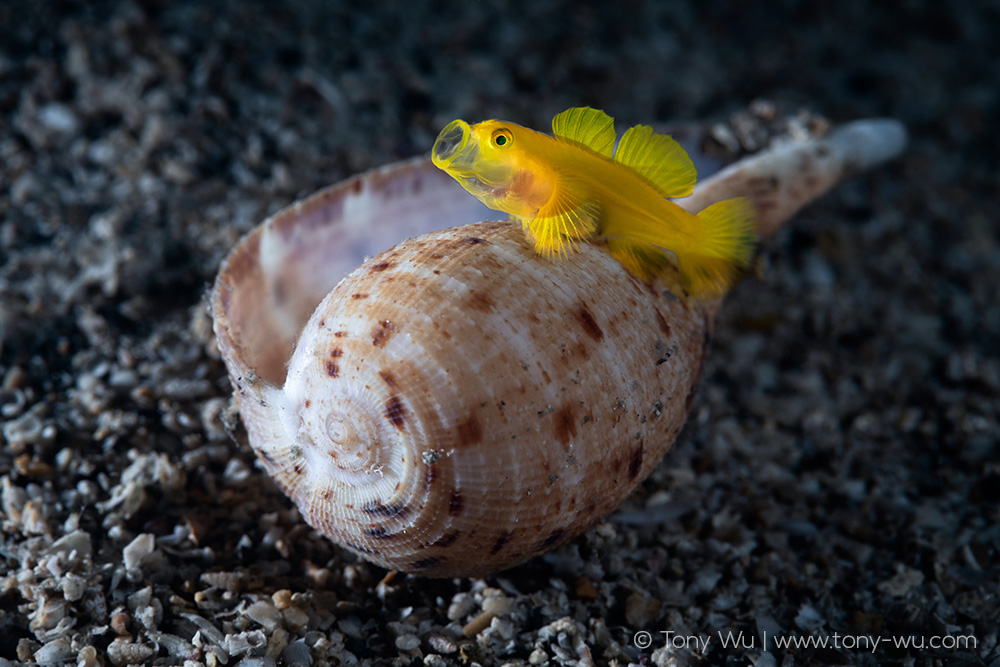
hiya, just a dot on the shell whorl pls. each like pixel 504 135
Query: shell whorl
pixel 480 376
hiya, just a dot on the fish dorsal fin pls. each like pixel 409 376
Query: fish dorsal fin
pixel 591 128
pixel 658 159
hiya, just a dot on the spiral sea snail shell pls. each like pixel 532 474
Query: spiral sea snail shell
pixel 458 405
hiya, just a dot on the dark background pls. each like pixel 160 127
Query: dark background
pixel 839 472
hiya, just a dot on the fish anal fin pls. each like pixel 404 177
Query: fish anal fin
pixel 642 260
pixel 587 127
pixel 658 159
pixel 708 276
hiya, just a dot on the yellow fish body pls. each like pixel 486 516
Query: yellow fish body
pixel 577 186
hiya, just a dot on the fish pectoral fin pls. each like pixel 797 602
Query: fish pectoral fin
pixel 590 128
pixel 642 260
pixel 564 220
pixel 658 159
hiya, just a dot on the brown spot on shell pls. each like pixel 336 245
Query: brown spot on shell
pixel 424 564
pixel 456 503
pixel 564 424
pixel 664 326
pixel 479 301
pixel 376 508
pixel 333 367
pixel 359 296
pixel 359 548
pixel 589 324
pixel 758 186
pixel 279 291
pixel 501 542
pixel 635 462
pixel 472 240
pixel 395 411
pixel 379 533
pixel 382 266
pixel 382 333
pixel 388 378
pixel 446 540
pixel 430 475
pixel 339 334
pixel 469 431
pixel 553 537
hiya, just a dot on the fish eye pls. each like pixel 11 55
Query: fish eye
pixel 502 138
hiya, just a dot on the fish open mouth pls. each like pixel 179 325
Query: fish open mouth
pixel 451 142
pixel 457 151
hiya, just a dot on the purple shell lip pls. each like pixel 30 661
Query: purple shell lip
pixel 276 275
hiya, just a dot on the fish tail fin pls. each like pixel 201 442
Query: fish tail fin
pixel 725 247
pixel 642 260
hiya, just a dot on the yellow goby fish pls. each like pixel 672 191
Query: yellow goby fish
pixel 576 186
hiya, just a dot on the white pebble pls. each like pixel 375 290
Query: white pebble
pixel 461 606
pixel 295 619
pixel 244 642
pixel 59 118
pixel 54 652
pixel 73 587
pixel 28 429
pixel 256 662
pixel 407 642
pixel 538 657
pixel 123 651
pixel 264 613
pixel 87 657
pixel 138 549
